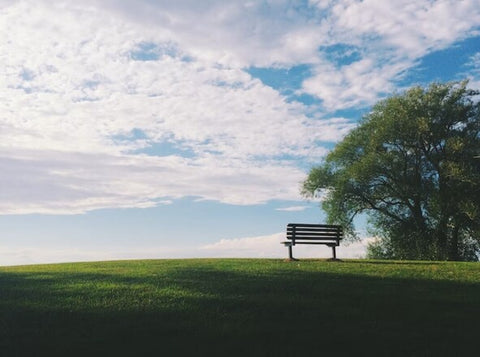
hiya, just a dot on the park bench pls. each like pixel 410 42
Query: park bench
pixel 304 233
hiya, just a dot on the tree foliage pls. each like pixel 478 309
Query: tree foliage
pixel 412 164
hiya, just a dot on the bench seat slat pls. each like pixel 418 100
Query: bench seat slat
pixel 326 229
pixel 312 225
pixel 311 234
pixel 309 242
pixel 324 243
pixel 316 234
pixel 314 238
pixel 310 228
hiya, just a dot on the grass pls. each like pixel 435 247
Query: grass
pixel 240 307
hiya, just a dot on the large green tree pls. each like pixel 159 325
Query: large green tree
pixel 412 165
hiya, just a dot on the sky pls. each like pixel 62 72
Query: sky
pixel 135 129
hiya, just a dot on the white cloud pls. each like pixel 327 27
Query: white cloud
pixel 62 183
pixel 293 208
pixel 242 34
pixel 86 92
pixel 392 37
pixel 356 85
pixel 76 92
pixel 413 28
pixel 75 82
pixel 260 247
pixel 235 33
pixel 473 71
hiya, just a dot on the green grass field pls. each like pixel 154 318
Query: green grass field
pixel 240 307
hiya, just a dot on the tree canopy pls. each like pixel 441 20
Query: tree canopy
pixel 412 165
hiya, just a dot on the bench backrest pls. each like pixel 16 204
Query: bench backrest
pixel 314 232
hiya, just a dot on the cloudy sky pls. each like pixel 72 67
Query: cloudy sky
pixel 157 129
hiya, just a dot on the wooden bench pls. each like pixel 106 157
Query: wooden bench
pixel 304 233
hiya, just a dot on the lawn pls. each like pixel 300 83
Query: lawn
pixel 240 307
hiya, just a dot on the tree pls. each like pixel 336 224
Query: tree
pixel 412 166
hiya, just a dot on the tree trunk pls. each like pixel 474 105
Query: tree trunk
pixel 453 251
pixel 442 241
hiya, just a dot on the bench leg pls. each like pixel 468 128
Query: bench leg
pixel 334 253
pixel 290 253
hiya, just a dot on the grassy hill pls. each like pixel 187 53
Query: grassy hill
pixel 236 307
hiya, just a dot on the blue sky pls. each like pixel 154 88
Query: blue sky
pixel 164 129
